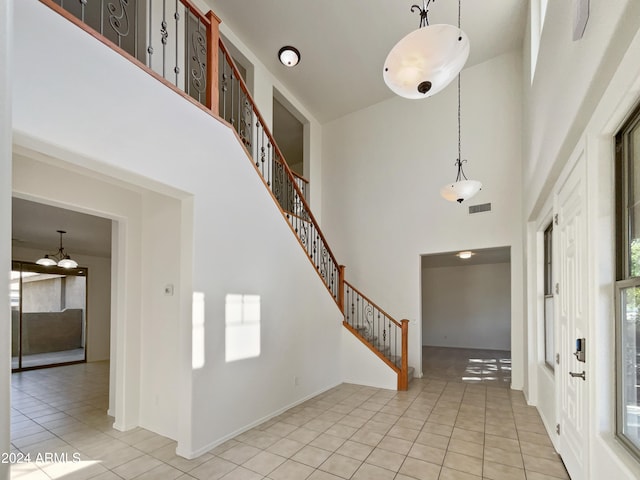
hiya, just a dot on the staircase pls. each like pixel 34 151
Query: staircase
pixel 186 54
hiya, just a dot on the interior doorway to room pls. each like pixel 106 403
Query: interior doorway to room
pixel 466 315
pixel 59 316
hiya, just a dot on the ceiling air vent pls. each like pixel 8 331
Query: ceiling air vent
pixel 485 207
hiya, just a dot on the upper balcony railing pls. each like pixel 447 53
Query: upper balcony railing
pixel 171 38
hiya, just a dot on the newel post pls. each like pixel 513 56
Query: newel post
pixel 403 379
pixel 341 287
pixel 213 33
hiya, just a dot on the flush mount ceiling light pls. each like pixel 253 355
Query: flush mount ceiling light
pixel 426 60
pixel 289 56
pixel 60 258
pixel 465 255
pixel 460 190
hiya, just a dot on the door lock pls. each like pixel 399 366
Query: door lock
pixel 581 375
pixel 581 347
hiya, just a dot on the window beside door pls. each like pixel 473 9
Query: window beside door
pixel 549 337
pixel 628 282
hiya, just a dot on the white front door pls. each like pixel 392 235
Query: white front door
pixel 571 290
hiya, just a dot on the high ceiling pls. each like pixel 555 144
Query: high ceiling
pixel 344 43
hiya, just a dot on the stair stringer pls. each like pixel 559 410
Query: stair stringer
pixel 361 366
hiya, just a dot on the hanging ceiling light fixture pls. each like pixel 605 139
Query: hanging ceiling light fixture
pixel 426 60
pixel 60 258
pixel 460 190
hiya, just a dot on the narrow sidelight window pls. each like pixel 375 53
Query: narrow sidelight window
pixel 628 282
pixel 549 338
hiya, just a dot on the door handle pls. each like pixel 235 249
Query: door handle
pixel 581 375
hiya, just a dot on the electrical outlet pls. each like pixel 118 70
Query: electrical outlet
pixel 168 289
pixel 296 381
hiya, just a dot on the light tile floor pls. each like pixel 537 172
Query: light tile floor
pixel 442 428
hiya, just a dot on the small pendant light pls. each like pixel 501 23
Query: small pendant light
pixel 463 188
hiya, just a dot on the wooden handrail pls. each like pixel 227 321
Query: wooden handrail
pixel 245 90
pixel 398 324
pixel 299 176
pixel 204 18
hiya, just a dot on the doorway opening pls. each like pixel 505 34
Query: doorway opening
pixel 466 316
pixel 59 315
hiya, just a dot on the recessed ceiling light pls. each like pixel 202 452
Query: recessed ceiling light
pixel 465 255
pixel 289 56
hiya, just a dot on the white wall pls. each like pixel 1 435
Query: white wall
pixel 161 219
pixel 467 306
pixel 581 93
pixel 99 295
pixel 573 75
pixel 171 147
pixel 6 75
pixel 363 367
pixel 383 168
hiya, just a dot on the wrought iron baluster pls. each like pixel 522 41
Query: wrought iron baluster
pixel 101 17
pixel 271 173
pixel 260 160
pixel 135 31
pixel 116 20
pixel 150 42
pixel 231 102
pixel 164 34
pixel 176 68
pixel 83 3
pixel 239 114
pixel 222 108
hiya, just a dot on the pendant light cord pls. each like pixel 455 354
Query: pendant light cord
pixel 459 161
pixel 459 141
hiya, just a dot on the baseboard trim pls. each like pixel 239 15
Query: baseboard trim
pixel 191 454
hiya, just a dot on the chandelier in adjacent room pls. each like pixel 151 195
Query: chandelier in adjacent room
pixel 60 258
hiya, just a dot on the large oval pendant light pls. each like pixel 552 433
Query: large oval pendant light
pixel 426 60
